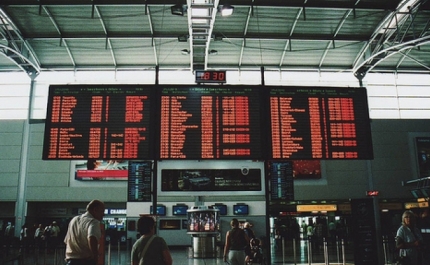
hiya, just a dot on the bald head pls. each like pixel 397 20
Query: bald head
pixel 96 208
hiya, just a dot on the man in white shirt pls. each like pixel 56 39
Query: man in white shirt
pixel 83 235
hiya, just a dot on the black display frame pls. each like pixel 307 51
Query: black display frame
pixel 82 119
pixel 161 210
pixel 261 137
pixel 223 209
pixel 182 210
pixel 237 208
pixel 358 94
pixel 257 105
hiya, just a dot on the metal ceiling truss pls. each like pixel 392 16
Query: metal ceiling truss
pixel 15 48
pixel 382 44
pixel 394 35
pixel 201 19
pixel 348 4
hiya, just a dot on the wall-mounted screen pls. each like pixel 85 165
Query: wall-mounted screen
pixel 179 209
pixel 240 209
pixel 210 122
pixel 423 155
pixel 98 122
pixel 170 224
pixel 417 193
pixel 426 192
pixel 221 207
pixel 319 123
pixel 139 181
pixel 186 180
pixel 93 169
pixel 161 210
pixel 210 178
pixel 281 180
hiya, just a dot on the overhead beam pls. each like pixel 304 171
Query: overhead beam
pixel 239 35
pixel 381 5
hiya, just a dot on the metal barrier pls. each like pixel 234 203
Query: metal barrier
pixel 44 255
pixel 32 255
pixel 329 254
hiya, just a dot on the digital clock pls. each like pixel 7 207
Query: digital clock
pixel 210 76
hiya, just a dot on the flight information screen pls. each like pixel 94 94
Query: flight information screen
pixel 319 123
pixel 210 122
pixel 98 122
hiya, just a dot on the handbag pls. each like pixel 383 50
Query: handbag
pixel 146 248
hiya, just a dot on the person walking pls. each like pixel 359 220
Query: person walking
pixel 149 248
pixel 235 242
pixel 83 235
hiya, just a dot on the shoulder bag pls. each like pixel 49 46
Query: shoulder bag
pixel 146 247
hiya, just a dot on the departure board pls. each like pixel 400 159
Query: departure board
pixel 319 123
pixel 204 122
pixel 97 122
pixel 281 180
pixel 139 181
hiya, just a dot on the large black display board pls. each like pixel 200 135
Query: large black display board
pixel 210 122
pixel 98 122
pixel 149 122
pixel 185 180
pixel 319 123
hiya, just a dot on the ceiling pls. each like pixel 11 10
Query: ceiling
pixel 357 36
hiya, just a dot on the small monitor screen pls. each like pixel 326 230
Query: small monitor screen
pixel 417 194
pixel 240 209
pixel 161 210
pixel 426 192
pixel 179 209
pixel 222 208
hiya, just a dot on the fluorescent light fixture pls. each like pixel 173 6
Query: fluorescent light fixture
pixel 227 10
pixel 178 9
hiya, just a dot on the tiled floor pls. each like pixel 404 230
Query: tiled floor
pixel 184 256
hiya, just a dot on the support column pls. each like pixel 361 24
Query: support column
pixel 21 200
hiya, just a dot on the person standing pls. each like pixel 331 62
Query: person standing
pixel 409 239
pixel 55 232
pixel 23 237
pixel 248 231
pixel 235 242
pixel 8 235
pixel 83 235
pixel 149 248
pixel 39 238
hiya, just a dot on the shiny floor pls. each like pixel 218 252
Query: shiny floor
pixel 120 255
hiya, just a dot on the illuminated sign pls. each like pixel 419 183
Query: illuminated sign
pixel 208 122
pixel 317 208
pixel 319 123
pixel 372 193
pixel 211 76
pixel 97 122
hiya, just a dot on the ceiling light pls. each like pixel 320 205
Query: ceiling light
pixel 183 38
pixel 213 52
pixel 227 10
pixel 185 52
pixel 178 9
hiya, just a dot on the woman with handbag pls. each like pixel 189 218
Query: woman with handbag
pixel 409 240
pixel 149 249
